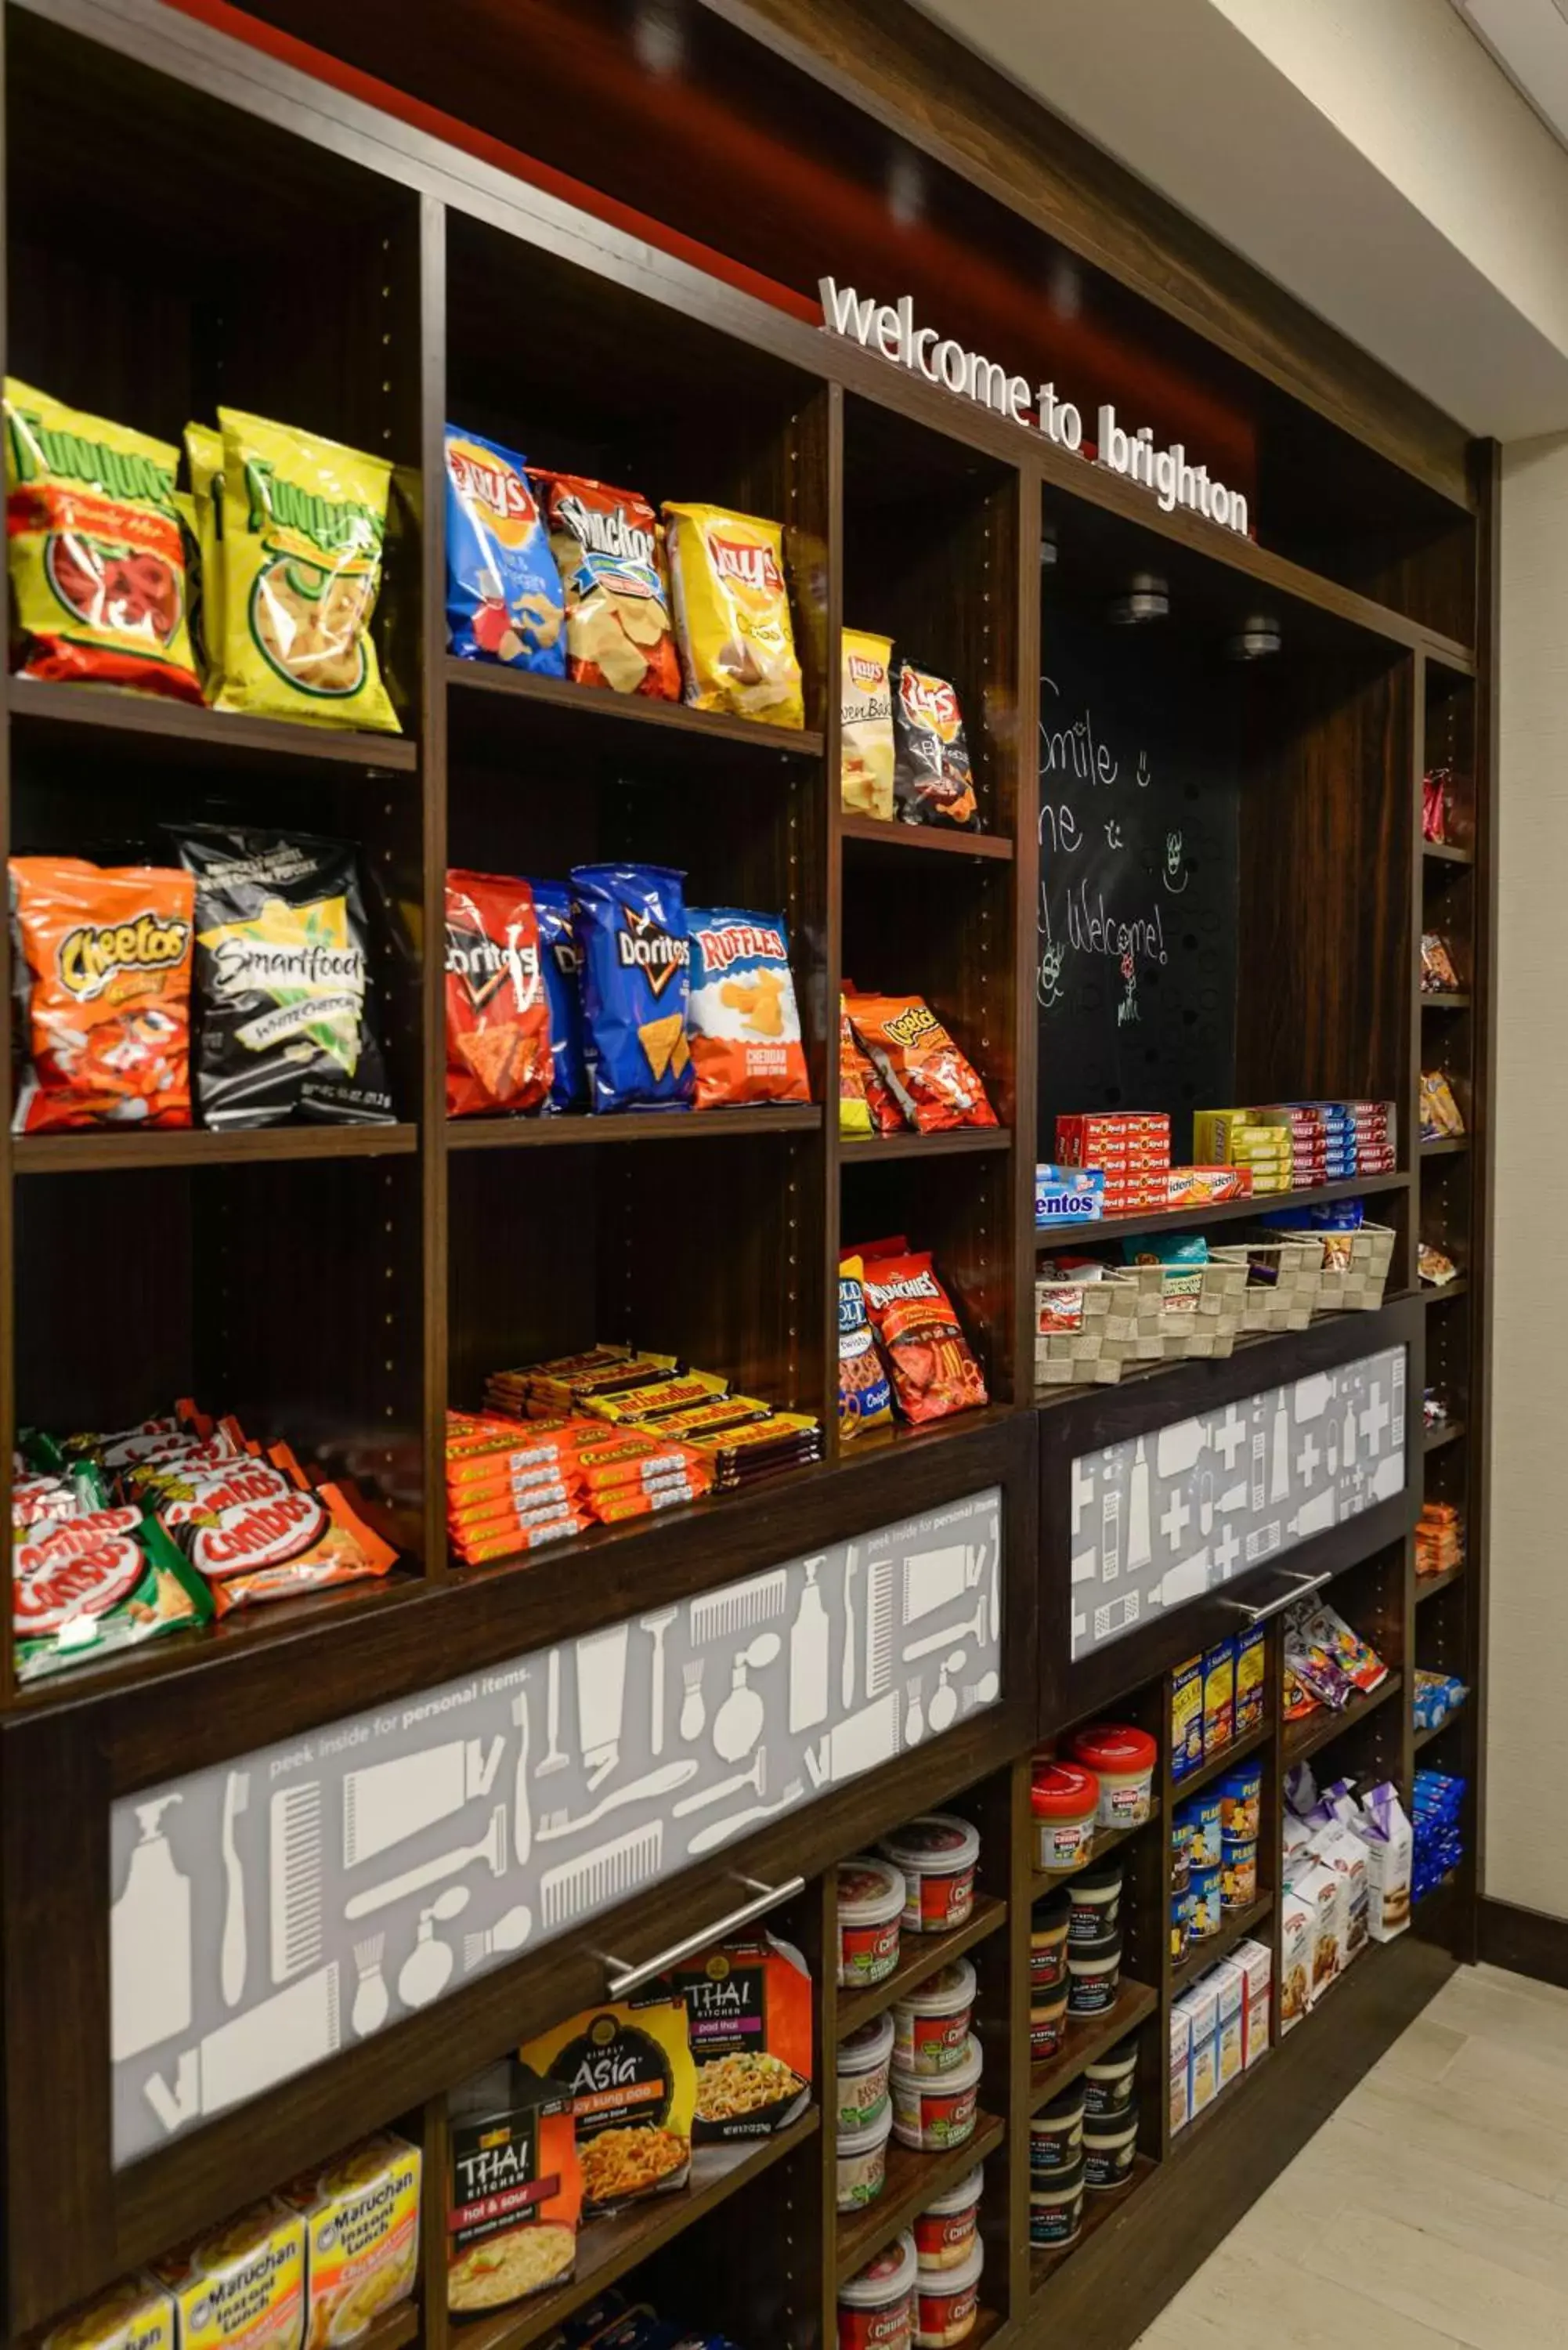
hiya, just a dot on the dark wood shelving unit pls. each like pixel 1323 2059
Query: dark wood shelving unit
pixel 1316 1731
pixel 1235 1926
pixel 34 704
pixel 1428 1586
pixel 927 839
pixel 957 1142
pixel 597 705
pixel 1453 1719
pixel 913 2180
pixel 1448 1148
pixel 1088 2039
pixel 1047 1881
pixel 123 1153
pixel 1445 1000
pixel 1449 1293
pixel 1436 1440
pixel 1227 2097
pixel 920 1957
pixel 1442 853
pixel 631 1125
pixel 1239 1750
pixel 1100 2211
pixel 1223 1212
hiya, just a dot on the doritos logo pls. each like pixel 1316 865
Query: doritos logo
pixel 482 965
pixel 642 944
pixel 721 948
pixel 750 566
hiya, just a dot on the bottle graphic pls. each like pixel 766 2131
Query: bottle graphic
pixel 150 1943
pixel 808 1645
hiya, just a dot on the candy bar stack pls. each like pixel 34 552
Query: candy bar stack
pixel 516 1484
pixel 1375 1140
pixel 1440 1539
pixel 1246 1138
pixel 1132 1146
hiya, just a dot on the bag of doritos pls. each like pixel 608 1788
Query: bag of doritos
pixel 99 589
pixel 865 1398
pixel 932 779
pixel 290 1010
pixel 607 546
pixel 503 597
pixel 731 611
pixel 497 1014
pixel 927 1357
pixel 102 972
pixel 932 1081
pixel 631 926
pixel 742 1022
pixel 563 966
pixel 865 725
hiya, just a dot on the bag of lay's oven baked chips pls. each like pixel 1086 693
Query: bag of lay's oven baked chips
pixel 631 926
pixel 743 1022
pixel 503 599
pixel 731 613
pixel 562 961
pixel 867 755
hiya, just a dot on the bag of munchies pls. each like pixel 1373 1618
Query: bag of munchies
pixel 933 1084
pixel 741 1020
pixel 732 615
pixel 927 1357
pixel 932 781
pixel 865 725
pixel 608 549
pixel 630 922
pixel 498 1055
pixel 102 961
pixel 865 1398
pixel 503 599
pixel 562 961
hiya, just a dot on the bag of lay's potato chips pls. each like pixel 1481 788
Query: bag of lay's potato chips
pixel 631 926
pixel 503 599
pixel 865 725
pixel 732 615
pixel 305 521
pixel 933 780
pixel 99 589
pixel 562 961
pixel 204 458
pixel 854 1110
pixel 743 1022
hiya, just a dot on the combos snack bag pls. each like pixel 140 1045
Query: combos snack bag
pixel 103 986
pixel 865 1398
pixel 866 723
pixel 497 1014
pixel 502 597
pixel 929 1077
pixel 205 456
pixel 290 1021
pixel 932 779
pixel 279 1547
pixel 305 522
pixel 362 2217
pixel 927 1357
pixel 514 2190
pixel 742 1022
pixel 634 2093
pixel 90 1586
pixel 241 2286
pixel 748 2021
pixel 731 608
pixel 98 563
pixel 607 542
pixel 562 961
pixel 631 926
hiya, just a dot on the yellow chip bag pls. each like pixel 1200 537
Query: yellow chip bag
pixel 361 2219
pixel 731 614
pixel 241 2285
pixel 865 725
pixel 204 461
pixel 303 523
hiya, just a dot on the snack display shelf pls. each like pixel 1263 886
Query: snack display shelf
pixel 1446 999
pixel 1229 2096
pixel 1449 1147
pixel 1304 1738
pixel 1428 1586
pixel 960 1139
pixel 1444 854
pixel 213 733
pixel 1099 2212
pixel 1445 1294
pixel 1437 1438
pixel 1236 1927
pixel 913 2180
pixel 630 1126
pixel 390 2333
pixel 630 709
pixel 1223 1212
pixel 85 1152
pixel 1455 1713
pixel 924 1955
pixel 1217 1765
pixel 608 2249
pixel 1135 2002
pixel 876 832
pixel 1046 1880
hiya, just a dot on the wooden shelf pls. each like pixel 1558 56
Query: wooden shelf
pixel 1428 1586
pixel 1047 1880
pixel 1449 1147
pixel 1099 2210
pixel 1432 1295
pixel 1321 1729
pixel 987 2325
pixel 1434 1439
pixel 630 1126
pixel 399 2326
pixel 1226 1211
pixel 1235 1926
pixel 1089 2040
pixel 875 832
pixel 921 1956
pixel 1217 1765
pixel 1442 854
pixel 608 2249
pixel 1455 1714
pixel 913 2181
pixel 960 1141
pixel 105 1150
pixel 215 734
pixel 598 706
pixel 1444 999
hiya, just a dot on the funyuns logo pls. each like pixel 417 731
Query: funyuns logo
pixel 642 944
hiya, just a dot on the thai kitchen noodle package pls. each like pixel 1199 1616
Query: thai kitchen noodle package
pixel 741 1020
pixel 608 547
pixel 303 532
pixel 99 585
pixel 748 2011
pixel 285 988
pixel 513 2189
pixel 733 615
pixel 867 756
pixel 630 922
pixel 498 1052
pixel 629 2067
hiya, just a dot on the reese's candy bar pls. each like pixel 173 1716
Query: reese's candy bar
pixel 743 1020
pixel 631 926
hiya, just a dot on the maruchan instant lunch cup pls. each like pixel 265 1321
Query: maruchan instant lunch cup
pixel 877 2307
pixel 946 2230
pixel 863 2064
pixel 1096 1901
pixel 931 2026
pixel 1066 1799
pixel 946 2306
pixel 1123 1759
pixel 936 1856
pixel 1048 1924
pixel 932 2114
pixel 1093 1975
pixel 871 1897
pixel 862 2168
pixel 1055 2210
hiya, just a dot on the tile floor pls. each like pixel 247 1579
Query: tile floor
pixel 1432 2209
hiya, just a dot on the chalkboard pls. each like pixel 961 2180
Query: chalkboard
pixel 1139 811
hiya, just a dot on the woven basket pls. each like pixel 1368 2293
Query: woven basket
pixel 1356 1288
pixel 1119 1322
pixel 1287 1303
pixel 1209 1328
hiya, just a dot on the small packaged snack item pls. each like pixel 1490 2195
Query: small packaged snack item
pixel 607 548
pixel 733 615
pixel 629 921
pixel 1438 976
pixel 1322 1628
pixel 865 725
pixel 865 1398
pixel 134 2315
pixel 854 1110
pixel 503 599
pixel 741 1020
pixel 928 1361
pixel 498 1055
pixel 205 459
pixel 513 2190
pixel 627 2065
pixel 1219 1698
pixel 1434 1265
pixel 102 975
pixel 932 779
pixel 562 961
pixel 290 1011
pixel 1187 1718
pixel 1252 1662
pixel 305 522
pixel 361 2215
pixel 276 1549
pixel 749 2023
pixel 1441 1117
pixel 88 1587
pixel 240 2286
pixel 99 586
pixel 933 1084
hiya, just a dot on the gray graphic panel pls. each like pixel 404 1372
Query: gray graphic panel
pixel 1162 1518
pixel 272 1911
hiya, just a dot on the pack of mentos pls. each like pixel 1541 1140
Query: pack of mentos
pixel 744 1023
pixel 629 921
pixel 562 963
pixel 503 597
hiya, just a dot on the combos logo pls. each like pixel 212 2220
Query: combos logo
pixel 746 562
pixel 90 960
pixel 644 944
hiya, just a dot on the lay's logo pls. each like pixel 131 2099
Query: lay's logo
pixel 928 701
pixel 500 492
pixel 863 670
pixel 750 565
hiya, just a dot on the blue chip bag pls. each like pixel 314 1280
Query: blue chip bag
pixel 631 926
pixel 503 597
pixel 563 966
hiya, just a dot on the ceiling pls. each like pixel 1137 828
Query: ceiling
pixel 1529 38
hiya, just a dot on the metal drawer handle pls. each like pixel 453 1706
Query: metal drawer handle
pixel 1304 1585
pixel 622 1978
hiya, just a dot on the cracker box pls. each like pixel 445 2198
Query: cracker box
pixel 1219 1699
pixel 1327 1895
pixel 1256 1962
pixel 1230 2021
pixel 1202 2006
pixel 1296 1923
pixel 1180 2066
pixel 1251 1656
pixel 1390 1848
pixel 1344 1852
pixel 1186 1717
pixel 362 2217
pixel 240 2286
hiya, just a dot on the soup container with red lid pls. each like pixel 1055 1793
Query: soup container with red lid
pixel 946 2305
pixel 937 1857
pixel 1066 1799
pixel 931 2026
pixel 945 2232
pixel 871 1897
pixel 1123 1759
pixel 864 2061
pixel 877 2307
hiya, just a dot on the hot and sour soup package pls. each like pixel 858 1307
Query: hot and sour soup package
pixel 503 599
pixel 928 1361
pixel 513 2190
pixel 608 547
pixel 631 926
pixel 498 1055
pixel 743 1022
pixel 731 611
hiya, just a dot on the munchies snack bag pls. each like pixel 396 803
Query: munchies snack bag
pixel 731 609
pixel 498 1053
pixel 631 926
pixel 103 983
pixel 927 1355
pixel 607 545
pixel 742 1022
